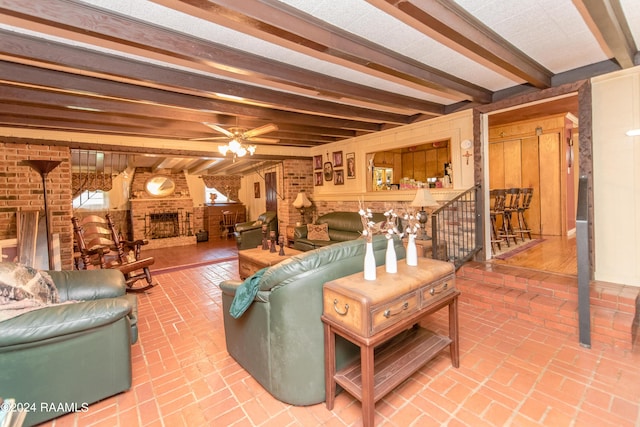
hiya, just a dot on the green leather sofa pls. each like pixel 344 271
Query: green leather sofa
pixel 279 340
pixel 342 226
pixel 249 234
pixel 61 358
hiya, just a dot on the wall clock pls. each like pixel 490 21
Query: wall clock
pixel 466 144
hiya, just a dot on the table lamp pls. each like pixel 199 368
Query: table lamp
pixel 301 202
pixel 423 198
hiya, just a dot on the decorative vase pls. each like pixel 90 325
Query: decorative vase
pixel 391 261
pixel 369 263
pixel 412 251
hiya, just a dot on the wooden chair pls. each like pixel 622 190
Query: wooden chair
pixel 496 211
pixel 511 204
pixel 229 220
pixel 99 246
pixel 526 194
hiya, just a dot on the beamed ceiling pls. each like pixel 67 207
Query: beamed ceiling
pixel 150 74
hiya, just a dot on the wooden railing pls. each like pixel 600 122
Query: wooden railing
pixel 454 226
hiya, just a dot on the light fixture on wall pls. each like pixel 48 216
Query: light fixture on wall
pixel 301 203
pixel 236 148
pixel 423 199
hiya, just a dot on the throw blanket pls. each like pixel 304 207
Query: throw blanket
pixel 245 294
pixel 23 289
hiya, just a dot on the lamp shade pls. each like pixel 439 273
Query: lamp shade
pixel 301 201
pixel 424 198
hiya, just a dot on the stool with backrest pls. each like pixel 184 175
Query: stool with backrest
pixel 496 211
pixel 526 194
pixel 99 245
pixel 511 204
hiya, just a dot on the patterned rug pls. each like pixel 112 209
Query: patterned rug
pixel 508 252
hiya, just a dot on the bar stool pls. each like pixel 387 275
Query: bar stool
pixel 511 204
pixel 526 194
pixel 496 210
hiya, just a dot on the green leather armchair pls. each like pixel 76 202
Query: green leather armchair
pixel 279 340
pixel 64 357
pixel 249 234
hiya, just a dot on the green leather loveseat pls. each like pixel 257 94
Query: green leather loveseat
pixel 342 226
pixel 279 339
pixel 249 234
pixel 63 357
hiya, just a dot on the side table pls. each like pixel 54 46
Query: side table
pixel 252 260
pixel 379 313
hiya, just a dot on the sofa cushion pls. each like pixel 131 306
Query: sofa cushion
pixel 20 282
pixel 318 232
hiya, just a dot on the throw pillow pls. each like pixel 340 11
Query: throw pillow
pixel 318 232
pixel 19 282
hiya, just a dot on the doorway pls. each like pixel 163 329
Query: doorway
pixel 271 191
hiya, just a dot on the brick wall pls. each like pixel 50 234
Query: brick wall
pixel 21 188
pixel 297 176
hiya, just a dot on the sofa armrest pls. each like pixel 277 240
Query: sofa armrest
pixel 245 226
pixel 62 319
pixel 88 284
pixel 229 287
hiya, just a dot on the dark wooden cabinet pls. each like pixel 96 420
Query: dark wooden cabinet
pixel 213 218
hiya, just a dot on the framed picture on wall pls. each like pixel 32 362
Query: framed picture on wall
pixel 328 171
pixel 351 165
pixel 318 179
pixel 256 190
pixel 337 159
pixel 338 178
pixel 317 162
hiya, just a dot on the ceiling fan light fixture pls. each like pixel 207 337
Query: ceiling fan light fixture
pixel 236 148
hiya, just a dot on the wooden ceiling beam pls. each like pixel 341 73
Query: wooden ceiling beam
pixel 281 24
pixel 454 27
pixel 86 23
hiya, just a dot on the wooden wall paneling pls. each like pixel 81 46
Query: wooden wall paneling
pixel 512 163
pixel 550 206
pixel 531 178
pixel 443 157
pixel 429 160
pixel 496 165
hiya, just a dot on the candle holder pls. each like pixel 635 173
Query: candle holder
pixel 281 243
pixel 265 242
pixel 272 246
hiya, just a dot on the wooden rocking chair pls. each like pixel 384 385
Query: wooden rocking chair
pixel 99 245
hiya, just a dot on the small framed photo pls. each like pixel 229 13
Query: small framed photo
pixel 337 159
pixel 328 171
pixel 318 179
pixel 338 177
pixel 351 165
pixel 317 162
pixel 256 190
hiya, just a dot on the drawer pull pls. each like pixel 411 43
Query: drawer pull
pixel 432 291
pixel 341 313
pixel 388 313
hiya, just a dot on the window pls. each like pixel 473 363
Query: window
pixel 93 200
pixel 220 198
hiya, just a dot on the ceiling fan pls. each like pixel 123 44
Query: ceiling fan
pixel 241 134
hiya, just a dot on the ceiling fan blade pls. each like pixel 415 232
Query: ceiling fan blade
pixel 211 138
pixel 260 130
pixel 263 140
pixel 220 129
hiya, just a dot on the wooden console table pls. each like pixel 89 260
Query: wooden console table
pixel 385 314
pixel 252 260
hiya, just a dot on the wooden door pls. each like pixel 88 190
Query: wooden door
pixel 531 178
pixel 270 188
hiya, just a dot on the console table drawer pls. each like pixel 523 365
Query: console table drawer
pixel 437 290
pixel 388 314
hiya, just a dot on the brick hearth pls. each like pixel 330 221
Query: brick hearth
pixel 142 208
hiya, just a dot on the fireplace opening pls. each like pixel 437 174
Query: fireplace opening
pixel 162 225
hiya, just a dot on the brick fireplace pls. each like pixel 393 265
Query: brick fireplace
pixel 164 222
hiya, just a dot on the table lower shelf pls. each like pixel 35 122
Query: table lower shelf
pixel 394 362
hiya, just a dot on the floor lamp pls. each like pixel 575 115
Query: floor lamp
pixel 423 199
pixel 43 167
